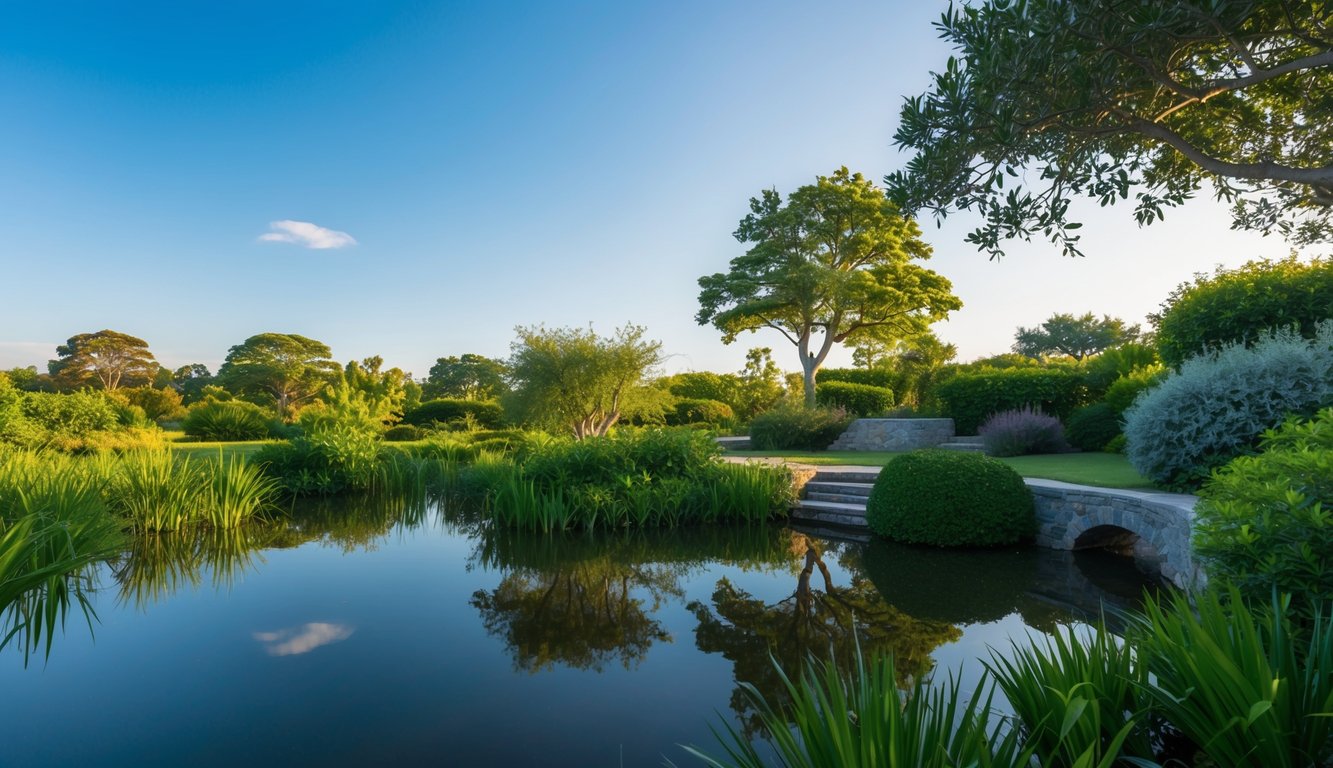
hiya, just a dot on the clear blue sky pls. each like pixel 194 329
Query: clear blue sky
pixel 496 164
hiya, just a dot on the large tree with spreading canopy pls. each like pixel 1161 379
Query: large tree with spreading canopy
pixel 833 262
pixel 1047 101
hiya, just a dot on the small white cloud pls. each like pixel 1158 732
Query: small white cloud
pixel 302 639
pixel 305 234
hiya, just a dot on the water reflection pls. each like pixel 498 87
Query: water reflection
pixel 588 601
pixel 31 618
pixel 156 566
pixel 305 638
pixel 834 620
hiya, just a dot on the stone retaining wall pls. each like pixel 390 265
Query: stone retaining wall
pixel 894 434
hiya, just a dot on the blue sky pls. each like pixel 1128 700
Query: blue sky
pixel 496 164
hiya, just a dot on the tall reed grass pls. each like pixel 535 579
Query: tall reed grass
pixel 1229 677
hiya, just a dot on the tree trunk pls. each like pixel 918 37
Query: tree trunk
pixel 811 361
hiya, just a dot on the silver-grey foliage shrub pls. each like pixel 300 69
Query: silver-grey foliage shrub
pixel 1218 404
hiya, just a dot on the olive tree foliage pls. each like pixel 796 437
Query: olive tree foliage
pixel 1076 337
pixel 286 367
pixel 105 359
pixel 571 378
pixel 1046 101
pixel 469 377
pixel 833 262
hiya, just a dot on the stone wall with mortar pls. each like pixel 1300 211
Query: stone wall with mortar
pixel 894 434
pixel 1077 516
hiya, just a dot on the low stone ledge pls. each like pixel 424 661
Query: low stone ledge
pixel 894 434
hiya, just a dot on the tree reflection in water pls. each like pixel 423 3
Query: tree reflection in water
pixel 588 601
pixel 754 634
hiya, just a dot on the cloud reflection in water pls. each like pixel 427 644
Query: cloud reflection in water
pixel 303 639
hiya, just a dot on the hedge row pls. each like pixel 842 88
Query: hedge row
pixel 971 398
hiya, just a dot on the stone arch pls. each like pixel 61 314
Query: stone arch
pixel 1153 527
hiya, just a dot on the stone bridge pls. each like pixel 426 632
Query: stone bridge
pixel 1153 527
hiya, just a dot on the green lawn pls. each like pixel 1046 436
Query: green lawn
pixel 1107 470
pixel 210 450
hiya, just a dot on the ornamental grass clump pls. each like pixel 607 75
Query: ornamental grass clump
pixel 950 499
pixel 1021 432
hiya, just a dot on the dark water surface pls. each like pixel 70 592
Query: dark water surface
pixel 352 637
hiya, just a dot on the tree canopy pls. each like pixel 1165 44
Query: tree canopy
pixel 1051 100
pixel 289 368
pixel 835 261
pixel 1076 337
pixel 107 359
pixel 470 377
pixel 573 378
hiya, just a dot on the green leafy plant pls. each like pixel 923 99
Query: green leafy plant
pixel 1242 305
pixel 950 499
pixel 1236 682
pixel 858 399
pixel 796 428
pixel 1092 427
pixel 1265 522
pixel 454 412
pixel 706 412
pixel 228 421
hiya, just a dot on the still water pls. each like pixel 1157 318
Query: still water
pixel 359 635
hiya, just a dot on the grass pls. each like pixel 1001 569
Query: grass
pixel 1105 470
pixel 228 450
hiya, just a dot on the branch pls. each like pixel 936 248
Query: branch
pixel 1265 170
pixel 1219 87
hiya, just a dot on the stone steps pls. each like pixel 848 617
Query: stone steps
pixel 735 443
pixel 970 443
pixel 836 497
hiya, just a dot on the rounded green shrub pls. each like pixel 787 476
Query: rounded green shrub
pixel 1264 522
pixel 1243 304
pixel 858 399
pixel 1092 427
pixel 227 421
pixel 950 499
pixel 404 433
pixel 691 411
pixel 797 428
pixel 1125 390
pixel 1217 406
pixel 486 414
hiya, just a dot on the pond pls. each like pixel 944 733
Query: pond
pixel 356 634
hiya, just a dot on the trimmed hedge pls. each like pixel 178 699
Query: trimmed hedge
pixel 404 433
pixel 796 428
pixel 951 499
pixel 447 410
pixel 870 377
pixel 698 411
pixel 858 399
pixel 970 398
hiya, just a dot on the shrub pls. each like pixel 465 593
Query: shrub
pixel 1093 427
pixel 1104 369
pixel 1125 390
pixel 334 459
pixel 870 377
pixel 1021 432
pixel 456 412
pixel 858 399
pixel 1219 404
pixel 709 412
pixel 970 398
pixel 950 499
pixel 157 404
pixel 1242 305
pixel 404 433
pixel 798 428
pixel 704 385
pixel 227 421
pixel 75 414
pixel 1264 521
